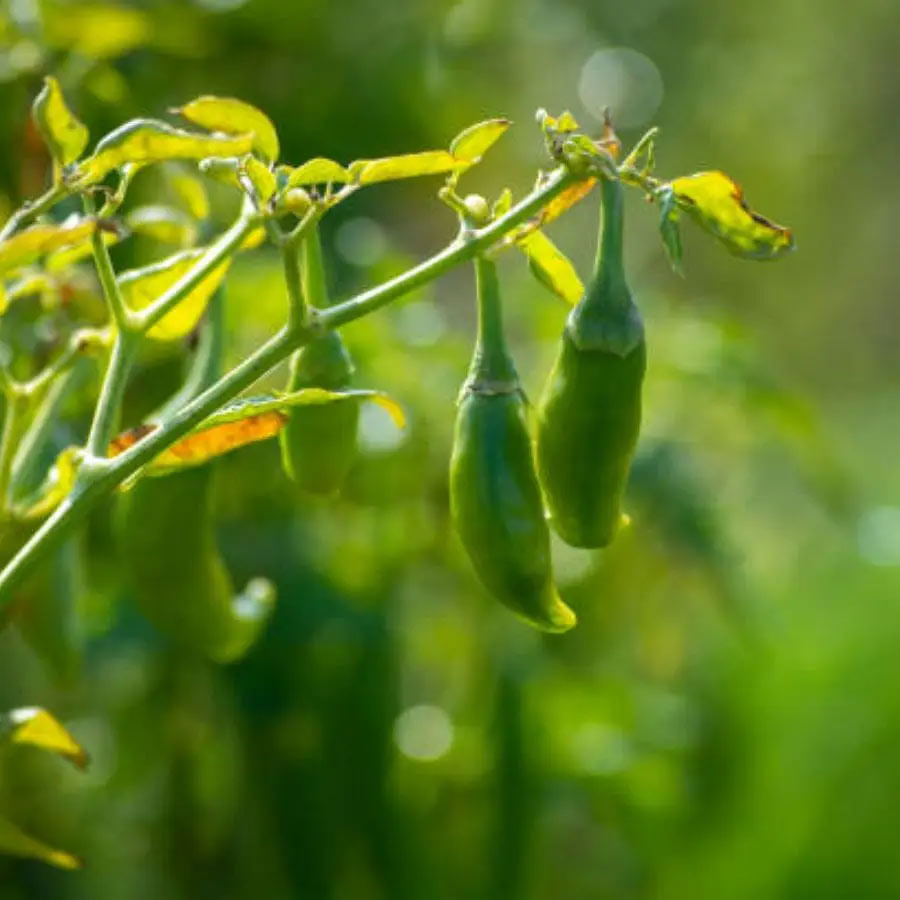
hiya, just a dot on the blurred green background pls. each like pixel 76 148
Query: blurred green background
pixel 724 722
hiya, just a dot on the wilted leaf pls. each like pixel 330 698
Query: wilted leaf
pixel 16 842
pixel 409 165
pixel 318 171
pixel 38 728
pixel 566 200
pixel 232 116
pixel 148 141
pixel 163 223
pixel 28 245
pixel 717 204
pixel 472 143
pixel 65 136
pixel 140 287
pixel 241 423
pixel 551 266
pixel 669 230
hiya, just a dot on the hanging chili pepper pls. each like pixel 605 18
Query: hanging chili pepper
pixel 168 546
pixel 318 445
pixel 590 411
pixel 495 498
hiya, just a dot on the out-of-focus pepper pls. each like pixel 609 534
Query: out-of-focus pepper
pixel 590 411
pixel 495 498
pixel 166 539
pixel 318 444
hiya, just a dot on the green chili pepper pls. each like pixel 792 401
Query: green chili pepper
pixel 169 551
pixel 318 444
pixel 495 498
pixel 590 412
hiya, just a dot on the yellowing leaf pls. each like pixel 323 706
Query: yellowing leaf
pixel 16 842
pixel 26 246
pixel 254 239
pixel 215 440
pixel 60 260
pixel 140 287
pixel 189 189
pixel 35 726
pixel 56 487
pixel 566 200
pixel 318 171
pixel 65 136
pixel 148 140
pixel 551 266
pixel 472 143
pixel 232 116
pixel 163 223
pixel 717 204
pixel 260 176
pixel 503 204
pixel 409 165
pixel 244 422
pixel 97 30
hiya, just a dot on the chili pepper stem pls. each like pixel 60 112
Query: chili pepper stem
pixel 491 361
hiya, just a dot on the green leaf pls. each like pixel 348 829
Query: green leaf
pixel 318 171
pixel 16 842
pixel 717 204
pixel 409 165
pixel 232 116
pixel 473 142
pixel 149 140
pixel 31 243
pixel 65 136
pixel 244 422
pixel 551 266
pixel 163 223
pixel 668 228
pixel 140 287
pixel 38 728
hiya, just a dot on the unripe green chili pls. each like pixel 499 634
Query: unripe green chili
pixel 495 499
pixel 318 444
pixel 590 411
pixel 168 546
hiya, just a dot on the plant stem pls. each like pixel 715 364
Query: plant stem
pixel 13 424
pixel 99 476
pixel 296 300
pixel 118 311
pixel 24 214
pixel 463 248
pixel 112 390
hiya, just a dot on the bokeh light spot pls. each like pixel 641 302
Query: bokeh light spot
pixel 626 81
pixel 423 732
